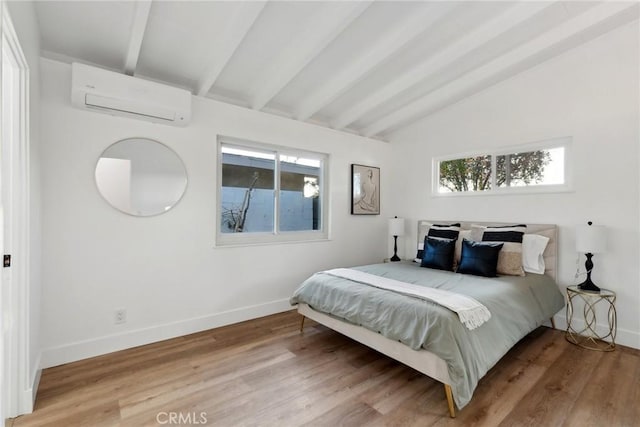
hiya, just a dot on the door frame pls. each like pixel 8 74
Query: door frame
pixel 20 387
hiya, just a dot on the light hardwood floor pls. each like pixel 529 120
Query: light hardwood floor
pixel 265 372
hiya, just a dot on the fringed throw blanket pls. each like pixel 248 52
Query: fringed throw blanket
pixel 470 312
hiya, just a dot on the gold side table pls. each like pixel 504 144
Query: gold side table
pixel 588 337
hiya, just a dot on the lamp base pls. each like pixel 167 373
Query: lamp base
pixel 588 286
pixel 395 257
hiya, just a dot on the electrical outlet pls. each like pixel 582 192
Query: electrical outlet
pixel 120 316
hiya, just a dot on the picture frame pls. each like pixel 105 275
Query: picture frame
pixel 365 190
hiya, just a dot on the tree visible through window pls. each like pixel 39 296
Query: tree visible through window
pixel 468 174
pixel 266 190
pixel 522 168
pixel 491 171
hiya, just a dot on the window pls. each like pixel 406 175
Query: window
pixel 269 194
pixel 541 167
pixel 538 167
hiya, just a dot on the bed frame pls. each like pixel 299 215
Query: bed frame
pixel 424 361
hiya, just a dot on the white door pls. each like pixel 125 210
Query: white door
pixel 3 328
pixel 15 382
pixel 7 135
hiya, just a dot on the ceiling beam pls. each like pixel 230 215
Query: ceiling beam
pixel 235 31
pixel 605 17
pixel 138 27
pixel 303 48
pixel 506 21
pixel 376 53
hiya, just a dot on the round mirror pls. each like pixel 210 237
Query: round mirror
pixel 141 177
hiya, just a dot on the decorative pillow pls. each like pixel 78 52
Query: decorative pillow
pixel 506 233
pixel 420 253
pixel 439 231
pixel 444 231
pixel 479 258
pixel 464 234
pixel 476 232
pixel 438 253
pixel 510 259
pixel 533 246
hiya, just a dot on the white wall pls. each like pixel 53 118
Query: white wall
pixel 25 22
pixel 589 93
pixel 164 270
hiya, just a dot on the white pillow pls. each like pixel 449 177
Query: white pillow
pixel 533 246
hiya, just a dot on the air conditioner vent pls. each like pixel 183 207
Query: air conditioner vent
pixel 117 94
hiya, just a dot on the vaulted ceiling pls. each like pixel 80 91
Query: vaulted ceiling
pixel 365 67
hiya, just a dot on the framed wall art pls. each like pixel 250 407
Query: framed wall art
pixel 365 190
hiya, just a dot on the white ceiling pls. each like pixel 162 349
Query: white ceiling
pixel 368 68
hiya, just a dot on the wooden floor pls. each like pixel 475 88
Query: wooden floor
pixel 264 372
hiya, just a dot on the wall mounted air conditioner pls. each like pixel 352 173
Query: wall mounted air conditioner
pixel 121 95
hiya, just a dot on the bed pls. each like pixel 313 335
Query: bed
pixel 424 334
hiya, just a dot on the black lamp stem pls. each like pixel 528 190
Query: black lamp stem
pixel 588 284
pixel 395 256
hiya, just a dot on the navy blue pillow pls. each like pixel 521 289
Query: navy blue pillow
pixel 443 231
pixel 479 258
pixel 438 253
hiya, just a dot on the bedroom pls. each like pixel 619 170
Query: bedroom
pixel 89 260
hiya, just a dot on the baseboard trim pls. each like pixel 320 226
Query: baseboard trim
pixel 28 400
pixel 72 352
pixel 624 337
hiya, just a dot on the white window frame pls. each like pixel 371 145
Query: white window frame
pixel 276 236
pixel 567 186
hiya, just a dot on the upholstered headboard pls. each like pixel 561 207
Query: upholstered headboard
pixel 550 254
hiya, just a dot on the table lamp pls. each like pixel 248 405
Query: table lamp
pixel 590 239
pixel 396 228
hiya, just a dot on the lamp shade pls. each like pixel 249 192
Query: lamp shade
pixel 591 238
pixel 396 226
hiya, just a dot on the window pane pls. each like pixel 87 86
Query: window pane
pixel 540 167
pixel 468 174
pixel 300 204
pixel 247 200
